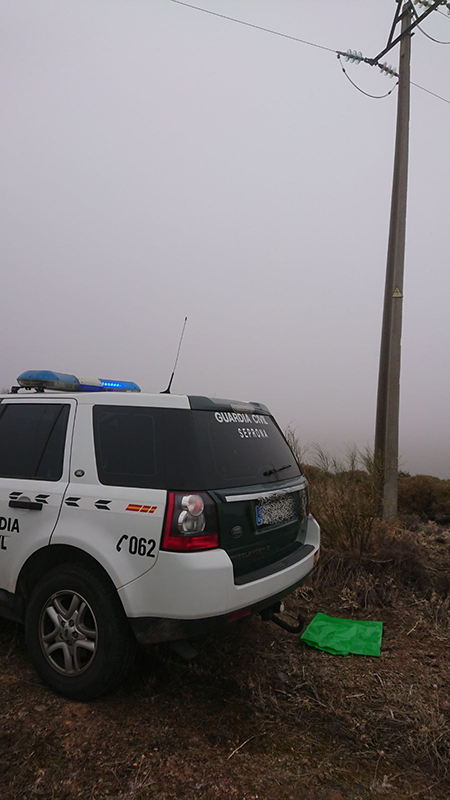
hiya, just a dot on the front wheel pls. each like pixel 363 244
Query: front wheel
pixel 77 634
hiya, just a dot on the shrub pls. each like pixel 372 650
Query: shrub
pixel 344 498
pixel 344 495
pixel 299 450
pixel 425 495
pixel 312 473
pixel 373 559
pixel 394 563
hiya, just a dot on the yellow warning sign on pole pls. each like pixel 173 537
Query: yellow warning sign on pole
pixel 397 292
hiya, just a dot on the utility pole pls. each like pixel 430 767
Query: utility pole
pixel 388 401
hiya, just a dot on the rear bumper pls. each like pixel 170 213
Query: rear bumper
pixel 186 594
pixel 149 630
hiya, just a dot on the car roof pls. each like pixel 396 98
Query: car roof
pixel 162 400
pixel 105 398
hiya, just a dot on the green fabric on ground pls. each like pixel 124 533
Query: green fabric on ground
pixel 344 636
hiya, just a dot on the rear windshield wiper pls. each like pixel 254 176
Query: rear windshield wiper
pixel 272 471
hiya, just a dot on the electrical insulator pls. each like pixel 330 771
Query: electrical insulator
pixel 354 56
pixel 428 4
pixel 387 69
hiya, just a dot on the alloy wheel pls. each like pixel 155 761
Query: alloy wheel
pixel 68 632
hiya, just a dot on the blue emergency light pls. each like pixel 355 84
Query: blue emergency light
pixel 61 382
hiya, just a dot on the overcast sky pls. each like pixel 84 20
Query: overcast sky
pixel 157 161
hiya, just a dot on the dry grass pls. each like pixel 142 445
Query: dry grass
pixel 394 563
pixel 344 495
pixel 395 717
pixel 371 569
pixel 397 708
pixel 258 713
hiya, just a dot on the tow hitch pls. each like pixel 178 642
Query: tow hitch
pixel 269 615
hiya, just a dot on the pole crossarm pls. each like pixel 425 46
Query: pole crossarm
pixel 398 16
pixel 394 24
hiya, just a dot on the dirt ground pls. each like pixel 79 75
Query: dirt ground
pixel 257 716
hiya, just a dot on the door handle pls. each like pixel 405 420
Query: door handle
pixel 29 504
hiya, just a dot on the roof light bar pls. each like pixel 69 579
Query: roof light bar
pixel 63 382
pixel 119 386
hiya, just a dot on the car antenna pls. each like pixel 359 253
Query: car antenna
pixel 167 391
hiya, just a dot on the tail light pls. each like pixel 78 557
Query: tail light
pixel 191 523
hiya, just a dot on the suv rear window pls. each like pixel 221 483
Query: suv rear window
pixel 239 450
pixel 184 449
pixel 32 438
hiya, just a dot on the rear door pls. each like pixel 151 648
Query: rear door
pixel 262 526
pixel 239 455
pixel 115 503
pixel 35 437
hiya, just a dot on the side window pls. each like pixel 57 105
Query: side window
pixel 128 447
pixel 32 438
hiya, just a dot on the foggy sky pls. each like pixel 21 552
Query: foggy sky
pixel 156 162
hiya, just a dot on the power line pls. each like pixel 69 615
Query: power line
pixel 381 96
pixel 301 41
pixel 373 96
pixel 251 25
pixel 438 41
pixel 429 92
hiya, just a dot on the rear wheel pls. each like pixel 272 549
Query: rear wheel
pixel 77 634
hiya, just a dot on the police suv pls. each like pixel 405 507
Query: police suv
pixel 128 516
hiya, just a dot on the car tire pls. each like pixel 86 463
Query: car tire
pixel 77 633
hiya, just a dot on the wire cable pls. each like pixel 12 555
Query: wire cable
pixel 301 41
pixel 251 25
pixel 429 92
pixel 373 96
pixel 438 41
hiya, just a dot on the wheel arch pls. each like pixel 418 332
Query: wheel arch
pixel 45 559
